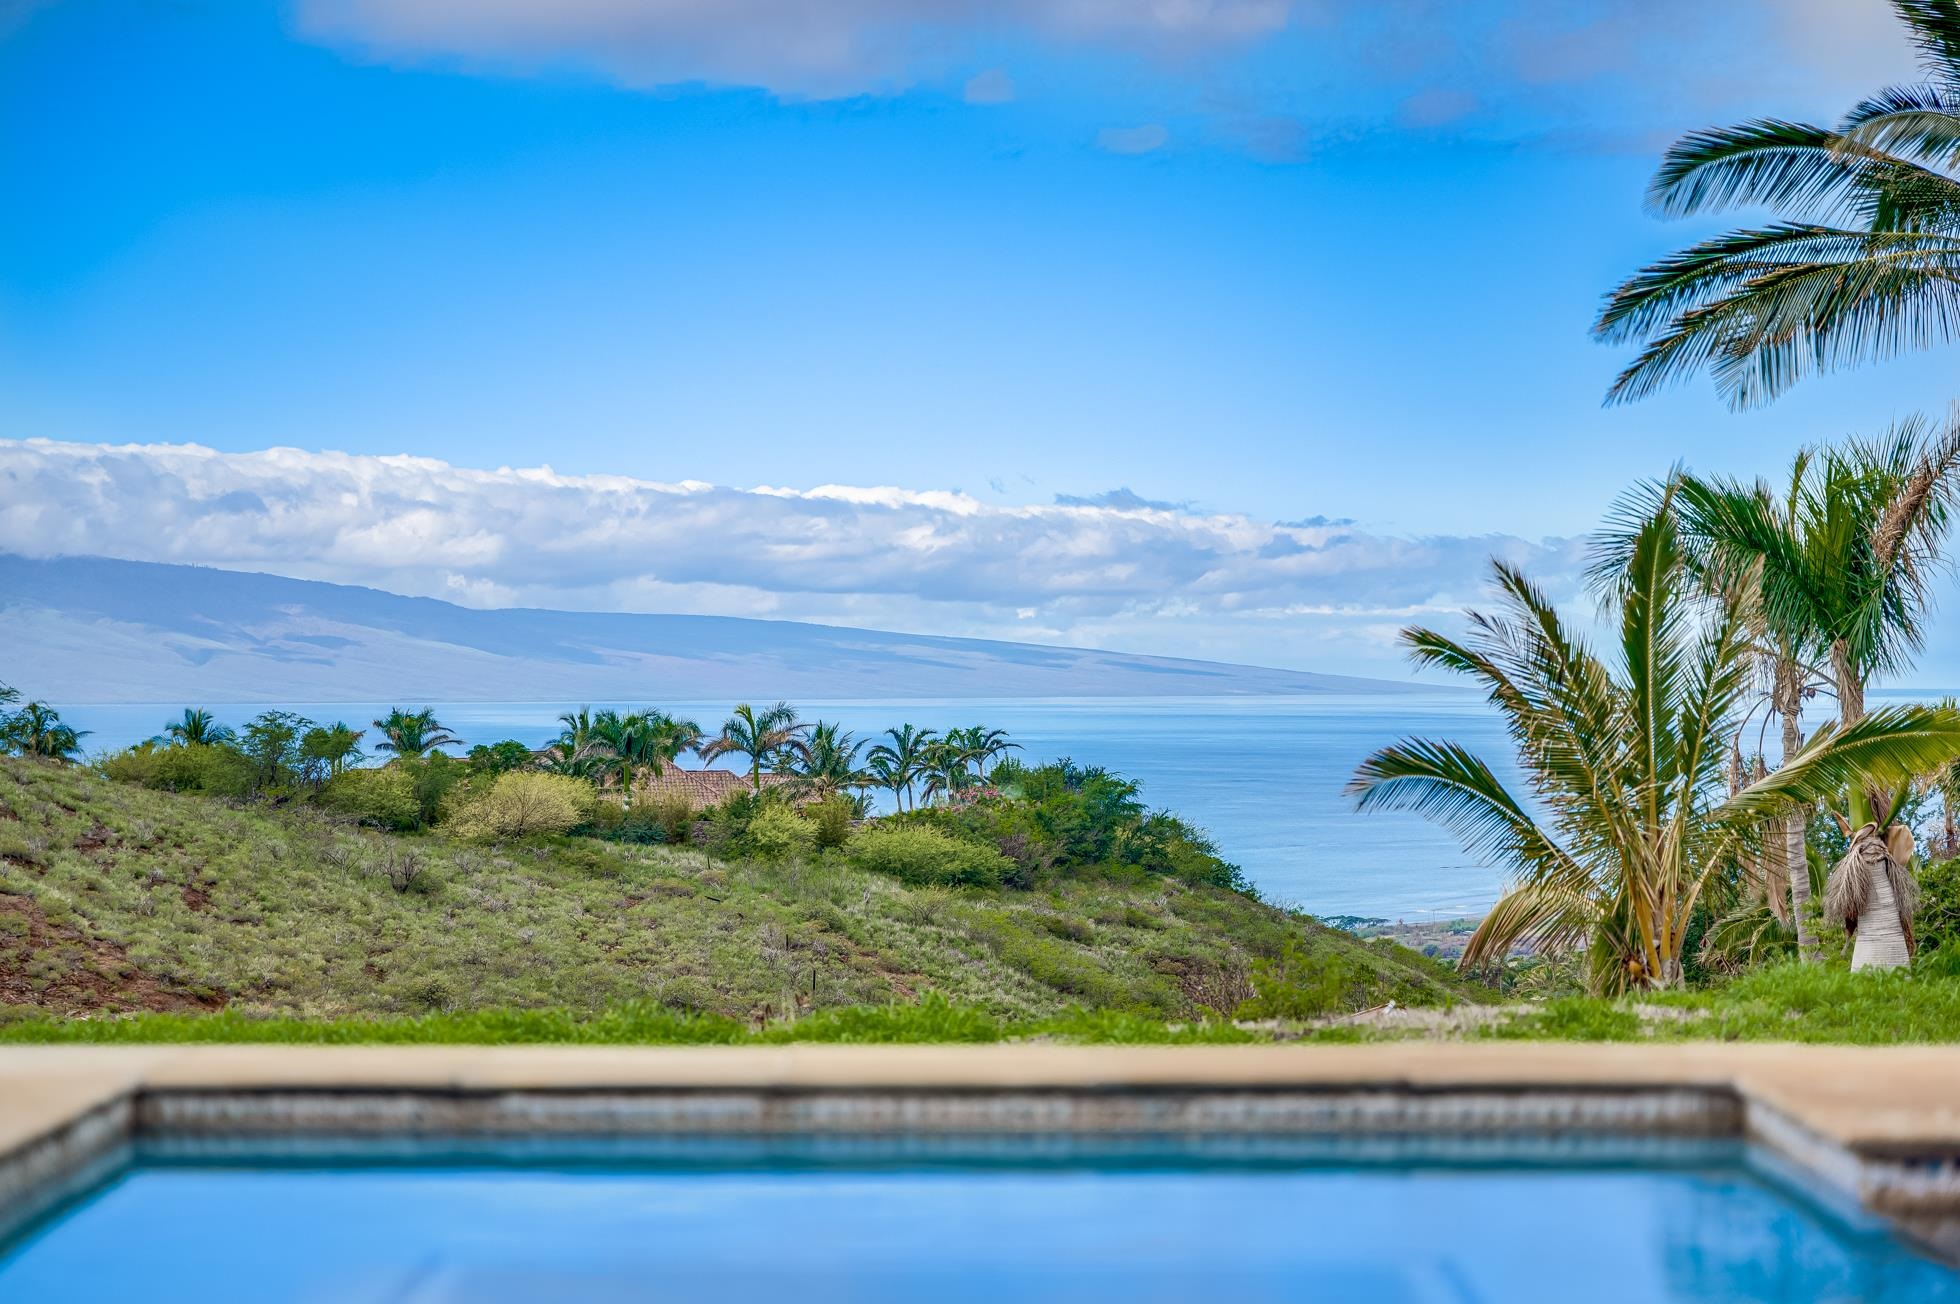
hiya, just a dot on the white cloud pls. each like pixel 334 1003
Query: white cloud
pixel 792 47
pixel 1110 570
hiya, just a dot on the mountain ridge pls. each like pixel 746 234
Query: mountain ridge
pixel 156 631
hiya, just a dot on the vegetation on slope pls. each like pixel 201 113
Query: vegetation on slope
pixel 118 897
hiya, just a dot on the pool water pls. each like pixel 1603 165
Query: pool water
pixel 995 1221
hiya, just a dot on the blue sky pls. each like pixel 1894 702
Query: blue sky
pixel 1252 261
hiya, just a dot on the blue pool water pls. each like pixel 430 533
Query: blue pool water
pixel 1263 775
pixel 1035 1220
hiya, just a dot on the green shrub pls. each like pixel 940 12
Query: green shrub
pixel 674 816
pixel 1937 925
pixel 833 821
pixel 522 804
pixel 212 768
pixel 1300 983
pixel 776 833
pixel 384 798
pixel 916 854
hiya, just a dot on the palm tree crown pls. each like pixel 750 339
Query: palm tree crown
pixel 196 726
pixel 761 736
pixel 1865 264
pixel 412 734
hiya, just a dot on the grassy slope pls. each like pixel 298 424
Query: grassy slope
pixel 113 897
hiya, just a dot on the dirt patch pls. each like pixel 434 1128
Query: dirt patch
pixel 97 837
pixel 195 898
pixel 89 973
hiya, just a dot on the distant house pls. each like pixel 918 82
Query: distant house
pixel 701 788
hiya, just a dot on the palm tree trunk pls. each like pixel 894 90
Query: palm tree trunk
pixel 1789 704
pixel 1881 942
pixel 1850 684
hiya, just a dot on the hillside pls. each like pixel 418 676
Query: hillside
pixel 114 897
pixel 85 629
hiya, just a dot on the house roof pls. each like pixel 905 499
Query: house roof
pixel 702 788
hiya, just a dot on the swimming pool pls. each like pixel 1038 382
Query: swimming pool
pixel 1045 1217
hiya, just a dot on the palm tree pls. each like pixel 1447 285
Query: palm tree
pixel 980 747
pixel 197 726
pixel 826 762
pixel 622 748
pixel 1865 264
pixel 335 746
pixel 1834 570
pixel 900 762
pixel 761 736
pixel 36 730
pixel 409 735
pixel 1627 761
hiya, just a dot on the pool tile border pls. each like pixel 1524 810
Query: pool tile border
pixel 1880 1125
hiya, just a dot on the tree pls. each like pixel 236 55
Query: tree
pixel 36 730
pixel 271 741
pixel 500 757
pixel 410 735
pixel 761 736
pixel 197 726
pixel 1865 264
pixel 325 751
pixel 898 764
pixel 826 762
pixel 622 748
pixel 1627 762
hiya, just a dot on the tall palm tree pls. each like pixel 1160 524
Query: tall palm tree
pixel 197 726
pixel 36 730
pixel 1627 761
pixel 409 735
pixel 825 762
pixel 1865 264
pixel 900 762
pixel 761 736
pixel 1833 570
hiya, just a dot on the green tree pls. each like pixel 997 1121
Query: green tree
pixel 409 735
pixel 898 764
pixel 325 751
pixel 1832 569
pixel 36 730
pixel 197 725
pixel 761 736
pixel 825 762
pixel 1627 761
pixel 1864 264
pixel 501 757
pixel 271 742
pixel 622 748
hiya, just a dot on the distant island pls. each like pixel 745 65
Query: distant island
pixel 87 629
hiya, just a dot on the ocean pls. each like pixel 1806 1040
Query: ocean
pixel 1262 775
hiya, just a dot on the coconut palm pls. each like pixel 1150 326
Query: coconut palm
pixel 898 764
pixel 409 735
pixel 36 730
pixel 1865 264
pixel 761 736
pixel 1833 569
pixel 1627 761
pixel 825 762
pixel 980 747
pixel 1872 893
pixel 196 726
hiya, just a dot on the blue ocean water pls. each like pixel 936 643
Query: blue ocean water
pixel 1262 775
pixel 1042 1219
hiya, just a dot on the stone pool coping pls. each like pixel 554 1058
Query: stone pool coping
pixel 1881 1124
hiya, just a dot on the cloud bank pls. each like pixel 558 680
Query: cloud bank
pixel 1441 62
pixel 1111 570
